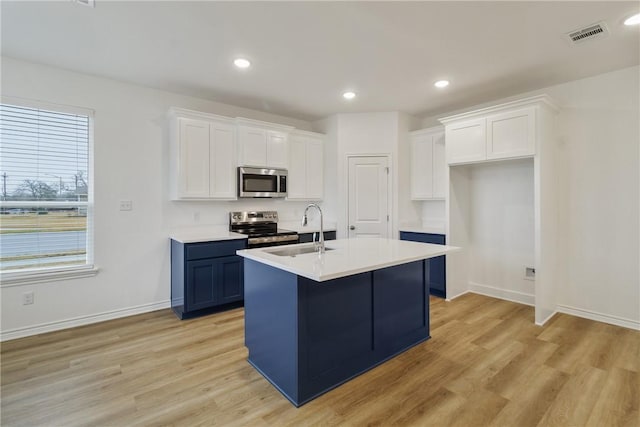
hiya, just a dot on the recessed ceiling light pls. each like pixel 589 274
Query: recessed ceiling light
pixel 441 83
pixel 349 95
pixel 633 20
pixel 242 63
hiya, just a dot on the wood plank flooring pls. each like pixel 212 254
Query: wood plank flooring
pixel 486 364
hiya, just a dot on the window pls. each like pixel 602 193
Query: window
pixel 46 200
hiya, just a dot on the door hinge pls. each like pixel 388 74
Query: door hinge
pixel 387 169
pixel 387 218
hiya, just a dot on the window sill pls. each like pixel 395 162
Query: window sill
pixel 8 280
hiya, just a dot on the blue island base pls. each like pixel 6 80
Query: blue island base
pixel 308 337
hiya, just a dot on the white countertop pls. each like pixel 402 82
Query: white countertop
pixel 309 228
pixel 205 234
pixel 348 257
pixel 212 233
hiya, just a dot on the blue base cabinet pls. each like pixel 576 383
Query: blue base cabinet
pixel 308 337
pixel 308 237
pixel 438 265
pixel 206 277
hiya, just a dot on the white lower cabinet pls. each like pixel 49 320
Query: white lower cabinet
pixel 203 156
pixel 306 166
pixel 428 165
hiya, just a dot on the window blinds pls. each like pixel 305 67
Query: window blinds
pixel 44 173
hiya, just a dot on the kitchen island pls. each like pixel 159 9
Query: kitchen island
pixel 314 321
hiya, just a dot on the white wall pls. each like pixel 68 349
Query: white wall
pixel 331 201
pixel 458 231
pixel 599 128
pixel 599 136
pixel 501 224
pixel 434 214
pixel 409 212
pixel 367 133
pixel 131 163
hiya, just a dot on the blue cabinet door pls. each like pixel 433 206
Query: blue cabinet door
pixel 230 278
pixel 200 288
pixel 206 277
pixel 437 265
pixel 401 307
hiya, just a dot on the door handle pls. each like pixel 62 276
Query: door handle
pixel 352 227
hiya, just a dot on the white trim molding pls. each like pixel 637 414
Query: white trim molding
pixel 547 319
pixel 505 294
pixel 543 99
pixel 43 275
pixel 82 320
pixel 451 298
pixel 599 317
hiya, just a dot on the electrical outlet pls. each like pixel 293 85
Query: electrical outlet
pixel 27 298
pixel 530 273
pixel 126 205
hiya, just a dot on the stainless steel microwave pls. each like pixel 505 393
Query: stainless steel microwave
pixel 262 182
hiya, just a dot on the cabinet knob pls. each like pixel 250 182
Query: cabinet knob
pixel 352 227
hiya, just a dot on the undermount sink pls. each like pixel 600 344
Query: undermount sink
pixel 300 250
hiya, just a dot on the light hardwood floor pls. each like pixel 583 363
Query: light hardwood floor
pixel 486 364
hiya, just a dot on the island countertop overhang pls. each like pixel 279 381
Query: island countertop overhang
pixel 346 257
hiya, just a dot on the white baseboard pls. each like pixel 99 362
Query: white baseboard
pixel 599 317
pixel 456 296
pixel 514 296
pixel 547 319
pixel 82 320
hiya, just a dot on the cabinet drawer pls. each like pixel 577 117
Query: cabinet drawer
pixel 213 249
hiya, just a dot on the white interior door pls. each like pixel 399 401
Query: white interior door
pixel 368 197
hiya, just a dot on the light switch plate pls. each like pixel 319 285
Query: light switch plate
pixel 126 205
pixel 27 298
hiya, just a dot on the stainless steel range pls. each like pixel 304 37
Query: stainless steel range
pixel 262 228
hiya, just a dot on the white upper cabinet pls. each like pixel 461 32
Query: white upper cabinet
pixel 440 183
pixel 203 156
pixel 428 165
pixel 262 144
pixel 297 177
pixel 466 141
pixel 306 166
pixel 506 131
pixel 277 155
pixel 222 161
pixel 252 146
pixel 193 143
pixel 511 134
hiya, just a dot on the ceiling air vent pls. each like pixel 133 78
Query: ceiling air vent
pixel 90 3
pixel 591 32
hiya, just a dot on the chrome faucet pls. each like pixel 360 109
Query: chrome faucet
pixel 320 245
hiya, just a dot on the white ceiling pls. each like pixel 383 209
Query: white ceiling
pixel 305 54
